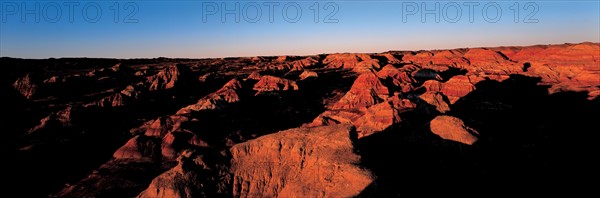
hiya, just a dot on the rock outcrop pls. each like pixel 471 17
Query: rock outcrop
pixel 400 79
pixel 139 147
pixel 26 86
pixel 272 83
pixel 308 74
pixel 228 94
pixel 452 128
pixel 62 118
pixel 359 63
pixel 437 100
pixel 455 88
pixel 182 181
pixel 376 119
pixel 366 91
pixel 168 77
pixel 301 162
pixel 302 64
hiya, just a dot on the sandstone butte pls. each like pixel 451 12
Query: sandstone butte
pixel 284 126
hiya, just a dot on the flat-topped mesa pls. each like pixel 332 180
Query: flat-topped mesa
pixel 431 59
pixel 488 61
pixel 567 67
pixel 299 162
pixel 366 91
pixel 577 55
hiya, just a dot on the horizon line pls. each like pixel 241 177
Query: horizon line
pixel 305 55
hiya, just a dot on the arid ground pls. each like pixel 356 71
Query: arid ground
pixel 498 120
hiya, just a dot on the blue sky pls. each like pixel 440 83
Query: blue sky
pixel 177 28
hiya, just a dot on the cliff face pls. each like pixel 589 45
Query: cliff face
pixel 301 162
pixel 329 125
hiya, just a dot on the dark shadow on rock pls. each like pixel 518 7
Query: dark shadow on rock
pixel 530 142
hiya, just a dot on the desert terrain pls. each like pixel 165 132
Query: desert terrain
pixel 452 122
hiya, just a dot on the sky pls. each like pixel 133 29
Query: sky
pixel 234 28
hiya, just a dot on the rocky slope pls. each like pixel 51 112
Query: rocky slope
pixel 330 125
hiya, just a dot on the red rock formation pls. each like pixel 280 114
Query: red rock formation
pixel 61 118
pixel 391 59
pixel 299 65
pixel 437 58
pixel 437 100
pixel 139 147
pixel 160 127
pixel 426 74
pixel 570 67
pixel 401 104
pixel 195 140
pixel 459 86
pixel 366 91
pixel 455 88
pixel 53 79
pixel 113 100
pixel 367 65
pixel 167 148
pixel 166 78
pixel 400 79
pixel 359 63
pixel 419 58
pixel 482 57
pixel 452 128
pixel 451 58
pixel 490 62
pixel 432 85
pixel 25 86
pixel 376 119
pixel 226 95
pixel 341 61
pixel 254 76
pixel 272 83
pixel 181 181
pixel 298 163
pixel 130 91
pixel 308 74
pixel 332 117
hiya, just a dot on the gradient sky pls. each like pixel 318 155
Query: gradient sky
pixel 177 28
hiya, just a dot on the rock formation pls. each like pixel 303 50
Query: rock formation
pixel 272 83
pixel 302 162
pixel 452 128
pixel 25 86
